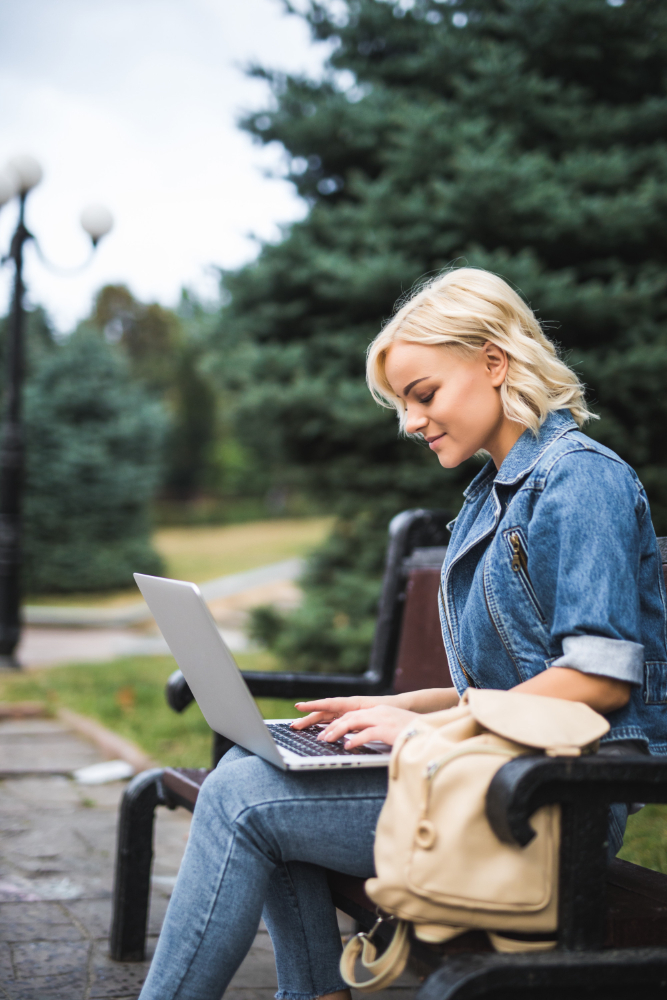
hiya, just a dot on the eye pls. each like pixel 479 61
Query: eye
pixel 427 399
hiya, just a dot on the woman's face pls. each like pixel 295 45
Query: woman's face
pixel 453 399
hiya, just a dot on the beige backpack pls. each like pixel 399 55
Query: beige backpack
pixel 440 866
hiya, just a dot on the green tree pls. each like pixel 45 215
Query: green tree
pixel 524 136
pixel 150 335
pixel 38 339
pixel 93 455
pixel 164 350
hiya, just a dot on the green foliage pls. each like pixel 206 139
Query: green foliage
pixel 164 350
pixel 93 443
pixel 38 340
pixel 148 334
pixel 523 136
pixel 333 629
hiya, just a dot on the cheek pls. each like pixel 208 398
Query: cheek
pixel 473 403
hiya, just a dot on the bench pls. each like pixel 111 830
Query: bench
pixel 612 938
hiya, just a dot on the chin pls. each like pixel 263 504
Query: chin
pixel 450 461
pixel 450 458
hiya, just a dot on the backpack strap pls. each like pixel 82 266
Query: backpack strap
pixel 385 969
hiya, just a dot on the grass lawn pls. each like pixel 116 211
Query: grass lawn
pixel 127 696
pixel 645 840
pixel 205 552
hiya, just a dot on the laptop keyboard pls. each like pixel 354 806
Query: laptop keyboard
pixel 304 742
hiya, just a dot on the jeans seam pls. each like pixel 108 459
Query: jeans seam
pixel 315 798
pixel 195 952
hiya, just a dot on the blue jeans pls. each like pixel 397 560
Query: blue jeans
pixel 259 843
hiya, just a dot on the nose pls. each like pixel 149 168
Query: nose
pixel 414 421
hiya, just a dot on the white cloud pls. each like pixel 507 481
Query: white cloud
pixel 133 103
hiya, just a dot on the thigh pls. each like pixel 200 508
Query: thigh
pixel 325 818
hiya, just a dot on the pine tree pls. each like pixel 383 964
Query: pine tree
pixel 93 456
pixel 524 136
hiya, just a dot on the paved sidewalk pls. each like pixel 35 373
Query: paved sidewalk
pixel 138 612
pixel 56 871
pixel 50 646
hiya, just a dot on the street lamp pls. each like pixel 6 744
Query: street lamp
pixel 20 176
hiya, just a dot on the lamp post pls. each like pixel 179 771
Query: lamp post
pixel 20 176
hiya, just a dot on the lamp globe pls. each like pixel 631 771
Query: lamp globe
pixel 26 172
pixel 97 221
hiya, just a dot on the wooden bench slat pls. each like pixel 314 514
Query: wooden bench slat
pixel 184 783
pixel 643 881
pixel 421 661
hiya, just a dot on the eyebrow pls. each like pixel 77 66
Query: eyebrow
pixel 411 385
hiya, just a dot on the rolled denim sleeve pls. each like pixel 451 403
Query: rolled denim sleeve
pixel 584 553
pixel 595 654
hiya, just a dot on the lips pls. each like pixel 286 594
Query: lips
pixel 432 441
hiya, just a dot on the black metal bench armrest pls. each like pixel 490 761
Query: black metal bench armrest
pixel 584 787
pixel 526 783
pixel 280 685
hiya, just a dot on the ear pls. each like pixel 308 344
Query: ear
pixel 496 363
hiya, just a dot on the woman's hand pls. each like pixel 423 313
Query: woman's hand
pixel 380 722
pixel 328 709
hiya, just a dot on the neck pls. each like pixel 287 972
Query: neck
pixel 503 439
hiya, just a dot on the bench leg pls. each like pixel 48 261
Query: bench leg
pixel 134 856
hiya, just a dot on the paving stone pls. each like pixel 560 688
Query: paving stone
pixel 48 792
pixel 158 907
pixel 111 979
pixel 49 958
pixel 68 986
pixel 92 914
pixel 6 967
pixel 27 746
pixel 23 922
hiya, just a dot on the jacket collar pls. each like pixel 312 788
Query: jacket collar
pixel 525 454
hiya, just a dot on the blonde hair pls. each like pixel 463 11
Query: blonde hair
pixel 469 307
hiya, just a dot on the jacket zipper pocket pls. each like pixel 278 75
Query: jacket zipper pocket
pixel 520 566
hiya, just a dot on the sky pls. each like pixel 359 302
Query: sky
pixel 133 104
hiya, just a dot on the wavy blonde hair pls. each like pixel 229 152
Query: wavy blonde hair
pixel 469 307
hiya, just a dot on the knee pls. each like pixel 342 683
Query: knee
pixel 233 789
pixel 233 754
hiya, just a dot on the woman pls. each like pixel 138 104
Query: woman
pixel 552 585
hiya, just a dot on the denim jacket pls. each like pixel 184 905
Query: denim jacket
pixel 553 561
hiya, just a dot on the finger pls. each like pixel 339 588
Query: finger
pixel 364 736
pixel 312 720
pixel 338 705
pixel 347 722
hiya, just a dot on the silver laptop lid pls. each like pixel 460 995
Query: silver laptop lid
pixel 208 666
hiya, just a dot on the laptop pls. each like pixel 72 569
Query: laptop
pixel 222 694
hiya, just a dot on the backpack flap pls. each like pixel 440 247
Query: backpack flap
pixel 559 727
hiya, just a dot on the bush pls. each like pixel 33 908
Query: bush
pixel 93 444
